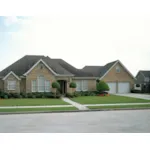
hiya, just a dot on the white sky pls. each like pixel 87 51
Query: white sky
pixel 86 32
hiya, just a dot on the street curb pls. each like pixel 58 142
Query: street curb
pixel 71 111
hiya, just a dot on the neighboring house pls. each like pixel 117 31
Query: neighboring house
pixel 143 79
pixel 36 74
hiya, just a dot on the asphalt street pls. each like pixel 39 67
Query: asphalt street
pixel 124 121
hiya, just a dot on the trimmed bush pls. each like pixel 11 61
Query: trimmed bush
pixel 56 85
pixel 5 96
pixel 102 86
pixel 72 85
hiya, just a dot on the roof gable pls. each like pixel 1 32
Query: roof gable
pixel 10 74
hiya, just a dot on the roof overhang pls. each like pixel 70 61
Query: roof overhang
pixel 11 72
pixel 41 60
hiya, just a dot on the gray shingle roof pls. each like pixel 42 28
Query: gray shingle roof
pixel 146 73
pixel 57 65
pixel 99 71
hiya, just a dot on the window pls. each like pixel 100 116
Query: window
pixel 41 66
pixel 34 86
pixel 41 84
pixel 11 85
pixel 47 86
pixel 78 88
pixel 118 69
pixel 82 85
pixel 146 79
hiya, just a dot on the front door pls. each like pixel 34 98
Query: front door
pixel 63 86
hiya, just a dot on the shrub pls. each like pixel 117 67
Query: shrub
pixel 24 95
pixel 29 95
pixel 49 95
pixel 58 95
pixel 72 85
pixel 13 95
pixel 69 95
pixel 102 86
pixel 5 96
pixel 20 96
pixel 56 85
pixel 76 94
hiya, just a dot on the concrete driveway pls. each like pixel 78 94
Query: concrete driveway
pixel 135 95
pixel 78 122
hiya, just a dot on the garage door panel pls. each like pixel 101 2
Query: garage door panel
pixel 112 86
pixel 123 87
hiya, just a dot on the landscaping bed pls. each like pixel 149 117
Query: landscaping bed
pixel 31 102
pixel 107 99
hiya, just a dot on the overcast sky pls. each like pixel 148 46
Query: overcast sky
pixel 83 32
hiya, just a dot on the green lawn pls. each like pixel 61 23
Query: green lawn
pixel 31 102
pixel 38 109
pixel 107 100
pixel 118 107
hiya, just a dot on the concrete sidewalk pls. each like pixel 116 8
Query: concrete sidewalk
pixel 77 105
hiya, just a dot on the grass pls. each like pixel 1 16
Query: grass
pixel 118 107
pixel 38 109
pixel 107 100
pixel 31 102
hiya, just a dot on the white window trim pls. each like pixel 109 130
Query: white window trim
pixel 35 85
pixel 39 85
pixel 81 86
pixel 11 72
pixel 86 87
pixel 47 86
pixel 41 60
pixel 8 85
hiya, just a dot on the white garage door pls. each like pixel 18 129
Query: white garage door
pixel 123 87
pixel 112 86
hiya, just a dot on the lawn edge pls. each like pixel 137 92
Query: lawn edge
pixel 71 111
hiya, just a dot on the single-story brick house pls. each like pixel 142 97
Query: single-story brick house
pixel 34 73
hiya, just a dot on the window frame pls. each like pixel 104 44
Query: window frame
pixel 118 67
pixel 9 86
pixel 34 85
pixel 38 82
pixel 49 90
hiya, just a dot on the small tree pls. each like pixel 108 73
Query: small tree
pixel 73 85
pixel 102 86
pixel 56 86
